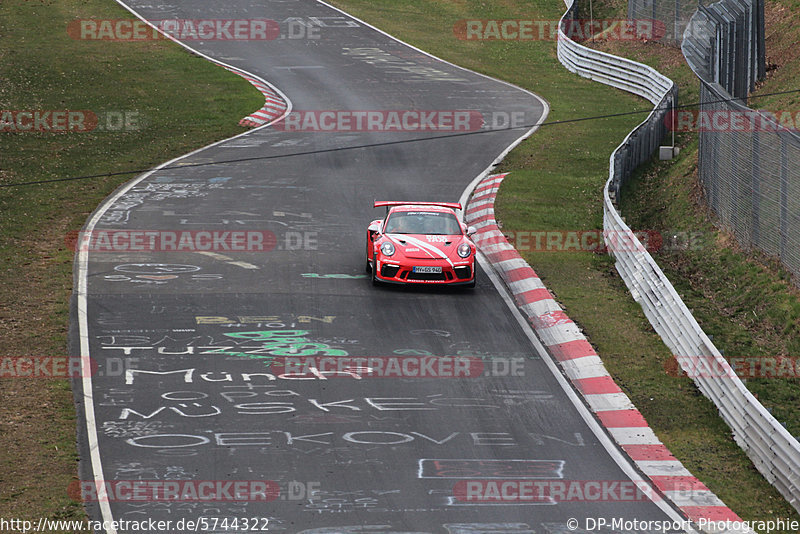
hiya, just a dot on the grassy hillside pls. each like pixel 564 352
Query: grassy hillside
pixel 174 102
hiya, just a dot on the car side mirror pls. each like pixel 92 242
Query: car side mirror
pixel 471 230
pixel 374 228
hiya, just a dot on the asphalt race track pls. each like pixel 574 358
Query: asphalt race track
pixel 182 340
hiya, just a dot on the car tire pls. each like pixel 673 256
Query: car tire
pixel 373 277
pixel 367 266
pixel 472 284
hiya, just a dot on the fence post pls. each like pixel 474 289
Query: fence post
pixel 755 193
pixel 784 209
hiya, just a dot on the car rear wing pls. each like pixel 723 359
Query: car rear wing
pixel 391 203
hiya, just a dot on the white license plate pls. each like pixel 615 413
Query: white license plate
pixel 429 269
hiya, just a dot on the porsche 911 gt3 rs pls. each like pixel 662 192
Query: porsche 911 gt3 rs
pixel 420 243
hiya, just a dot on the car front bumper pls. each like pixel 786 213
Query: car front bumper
pixel 460 273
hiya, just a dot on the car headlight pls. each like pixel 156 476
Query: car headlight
pixel 387 248
pixel 464 250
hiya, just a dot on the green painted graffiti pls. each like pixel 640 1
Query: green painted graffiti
pixel 282 343
pixel 342 276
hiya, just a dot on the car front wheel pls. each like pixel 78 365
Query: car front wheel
pixel 374 277
pixel 471 285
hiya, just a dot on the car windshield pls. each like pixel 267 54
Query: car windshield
pixel 428 222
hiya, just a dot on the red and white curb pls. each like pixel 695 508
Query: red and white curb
pixel 274 106
pixel 584 368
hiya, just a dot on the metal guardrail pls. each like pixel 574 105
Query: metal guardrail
pixel 629 76
pixel 774 452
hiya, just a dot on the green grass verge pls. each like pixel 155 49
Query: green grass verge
pixel 180 101
pixel 556 184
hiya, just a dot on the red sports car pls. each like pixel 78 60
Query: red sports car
pixel 420 243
